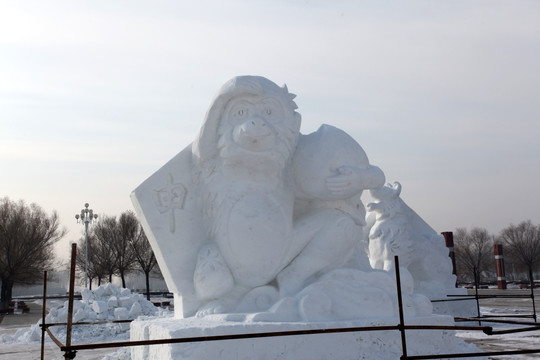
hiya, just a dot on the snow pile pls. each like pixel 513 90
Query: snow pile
pixel 106 303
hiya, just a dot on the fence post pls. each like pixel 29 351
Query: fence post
pixel 449 240
pixel 499 266
pixel 70 354
pixel 43 314
pixel 401 325
pixel 476 285
pixel 532 293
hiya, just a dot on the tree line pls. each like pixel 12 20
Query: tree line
pixel 27 238
pixel 117 246
pixel 28 235
pixel 475 256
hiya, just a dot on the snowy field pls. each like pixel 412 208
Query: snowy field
pixel 516 341
pixel 20 336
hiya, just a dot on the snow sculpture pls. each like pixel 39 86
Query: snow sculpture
pixel 393 229
pixel 228 215
pixel 254 217
pixel 259 228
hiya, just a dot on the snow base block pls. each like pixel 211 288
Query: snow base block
pixel 375 345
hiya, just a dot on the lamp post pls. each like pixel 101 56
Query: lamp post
pixel 87 216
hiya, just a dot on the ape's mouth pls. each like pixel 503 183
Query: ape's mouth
pixel 254 142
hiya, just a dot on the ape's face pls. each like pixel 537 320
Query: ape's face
pixel 257 125
pixel 255 122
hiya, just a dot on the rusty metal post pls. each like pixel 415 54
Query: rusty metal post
pixel 499 266
pixel 43 314
pixel 476 284
pixel 449 240
pixel 70 354
pixel 532 293
pixel 401 325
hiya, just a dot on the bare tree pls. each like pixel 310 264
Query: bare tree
pixel 522 243
pixel 105 255
pixel 101 260
pixel 128 227
pixel 80 260
pixel 144 256
pixel 114 249
pixel 515 271
pixel 473 250
pixel 104 259
pixel 27 237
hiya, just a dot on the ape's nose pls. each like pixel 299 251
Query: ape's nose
pixel 255 134
pixel 255 126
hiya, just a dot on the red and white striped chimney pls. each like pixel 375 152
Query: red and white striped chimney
pixel 449 240
pixel 499 266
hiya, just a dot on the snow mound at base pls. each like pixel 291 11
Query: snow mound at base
pixel 106 303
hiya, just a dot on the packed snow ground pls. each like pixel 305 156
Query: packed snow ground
pixel 515 341
pixel 111 303
pixel 106 303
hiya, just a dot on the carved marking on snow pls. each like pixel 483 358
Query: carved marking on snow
pixel 170 198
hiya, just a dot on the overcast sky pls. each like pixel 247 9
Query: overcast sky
pixel 444 96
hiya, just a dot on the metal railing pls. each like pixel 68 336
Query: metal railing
pixel 477 297
pixel 70 350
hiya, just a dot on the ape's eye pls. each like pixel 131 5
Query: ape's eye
pixel 270 109
pixel 240 110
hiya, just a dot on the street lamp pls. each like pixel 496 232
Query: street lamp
pixel 87 216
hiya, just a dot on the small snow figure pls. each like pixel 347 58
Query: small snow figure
pixel 395 229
